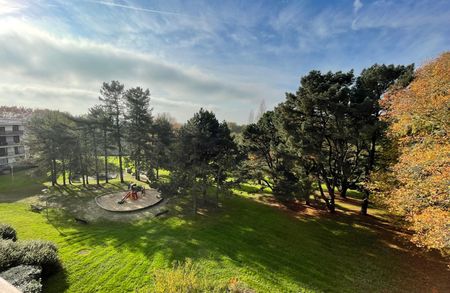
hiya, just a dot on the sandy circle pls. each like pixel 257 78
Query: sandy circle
pixel 109 201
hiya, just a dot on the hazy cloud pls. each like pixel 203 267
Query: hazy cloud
pixel 44 67
pixel 357 5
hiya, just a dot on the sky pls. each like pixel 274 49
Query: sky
pixel 225 56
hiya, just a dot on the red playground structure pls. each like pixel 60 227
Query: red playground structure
pixel 132 192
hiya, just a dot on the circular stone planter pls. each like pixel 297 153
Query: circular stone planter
pixel 109 201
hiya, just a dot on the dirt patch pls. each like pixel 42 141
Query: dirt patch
pixel 113 201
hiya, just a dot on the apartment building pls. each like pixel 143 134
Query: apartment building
pixel 12 149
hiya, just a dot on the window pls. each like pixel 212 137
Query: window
pixel 16 150
pixel 15 127
pixel 2 129
pixel 3 140
pixel 16 139
pixel 3 152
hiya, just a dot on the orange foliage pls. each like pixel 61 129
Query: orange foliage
pixel 419 183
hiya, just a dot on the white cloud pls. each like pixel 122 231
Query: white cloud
pixel 10 7
pixel 39 69
pixel 357 5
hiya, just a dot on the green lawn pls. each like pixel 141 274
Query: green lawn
pixel 268 249
pixel 20 186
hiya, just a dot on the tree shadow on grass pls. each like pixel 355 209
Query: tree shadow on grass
pixel 340 253
pixel 57 282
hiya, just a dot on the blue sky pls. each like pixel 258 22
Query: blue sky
pixel 226 56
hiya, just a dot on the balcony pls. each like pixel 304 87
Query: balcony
pixel 9 144
pixel 11 133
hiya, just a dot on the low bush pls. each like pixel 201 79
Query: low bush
pixel 26 278
pixel 186 277
pixel 32 252
pixel 7 232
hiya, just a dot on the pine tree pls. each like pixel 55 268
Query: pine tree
pixel 112 98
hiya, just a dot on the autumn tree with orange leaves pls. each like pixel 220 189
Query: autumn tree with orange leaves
pixel 416 186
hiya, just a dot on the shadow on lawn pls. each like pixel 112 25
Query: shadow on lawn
pixel 338 253
pixel 57 282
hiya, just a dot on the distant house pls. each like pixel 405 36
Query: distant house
pixel 12 149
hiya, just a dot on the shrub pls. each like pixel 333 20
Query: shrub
pixel 26 278
pixel 7 232
pixel 33 252
pixel 10 254
pixel 186 277
pixel 183 278
pixel 43 253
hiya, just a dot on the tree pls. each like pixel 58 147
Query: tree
pixel 315 126
pixel 416 185
pixel 261 140
pixel 164 138
pixel 139 121
pixel 203 148
pixel 112 97
pixel 51 140
pixel 369 89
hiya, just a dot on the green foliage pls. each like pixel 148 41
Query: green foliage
pixel 164 139
pixel 262 246
pixel 25 278
pixel 184 277
pixel 139 120
pixel 30 252
pixel 205 153
pixel 7 232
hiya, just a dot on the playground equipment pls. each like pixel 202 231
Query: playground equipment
pixel 133 190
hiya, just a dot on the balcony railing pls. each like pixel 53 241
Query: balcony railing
pixel 11 132
pixel 10 144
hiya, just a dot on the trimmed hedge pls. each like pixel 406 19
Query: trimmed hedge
pixel 7 232
pixel 32 252
pixel 26 278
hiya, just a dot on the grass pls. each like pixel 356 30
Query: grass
pixel 20 186
pixel 264 247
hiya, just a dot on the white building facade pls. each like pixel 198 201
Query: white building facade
pixel 12 149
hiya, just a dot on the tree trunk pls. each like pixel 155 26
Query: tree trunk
pixel 157 173
pixel 344 188
pixel 331 204
pixel 52 172
pixel 119 145
pixel 96 159
pixel 307 201
pixel 137 171
pixel 105 145
pixel 370 165
pixel 82 170
pixel 365 203
pixel 64 172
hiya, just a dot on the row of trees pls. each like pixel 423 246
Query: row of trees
pixel 337 132
pixel 328 133
pixel 70 147
pixel 199 154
